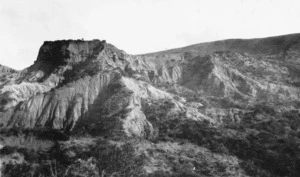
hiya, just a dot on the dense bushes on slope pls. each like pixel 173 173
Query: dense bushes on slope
pixel 266 141
pixel 100 158
pixel 238 140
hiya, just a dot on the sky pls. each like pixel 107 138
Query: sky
pixel 137 26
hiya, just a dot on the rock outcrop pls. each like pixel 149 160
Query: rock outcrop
pixel 224 108
pixel 72 80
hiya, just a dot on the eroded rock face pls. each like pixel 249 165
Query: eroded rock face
pixel 73 82
pixel 40 93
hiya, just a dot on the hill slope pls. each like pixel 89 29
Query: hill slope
pixel 224 108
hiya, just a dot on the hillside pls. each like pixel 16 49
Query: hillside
pixel 86 108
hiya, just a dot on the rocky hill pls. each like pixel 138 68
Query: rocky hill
pixel 86 108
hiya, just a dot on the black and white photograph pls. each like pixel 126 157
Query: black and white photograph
pixel 149 88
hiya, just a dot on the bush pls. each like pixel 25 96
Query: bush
pixel 118 160
pixel 82 168
pixel 19 170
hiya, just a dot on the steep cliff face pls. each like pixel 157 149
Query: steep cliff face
pixel 225 108
pixel 37 94
pixel 72 80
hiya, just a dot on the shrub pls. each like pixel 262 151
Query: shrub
pixel 19 170
pixel 82 168
pixel 118 160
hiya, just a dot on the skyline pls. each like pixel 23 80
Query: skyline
pixel 137 27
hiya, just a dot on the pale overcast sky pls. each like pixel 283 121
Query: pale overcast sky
pixel 137 26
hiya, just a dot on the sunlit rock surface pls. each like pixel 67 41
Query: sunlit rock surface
pixel 202 100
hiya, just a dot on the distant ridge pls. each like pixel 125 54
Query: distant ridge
pixel 268 45
pixel 5 69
